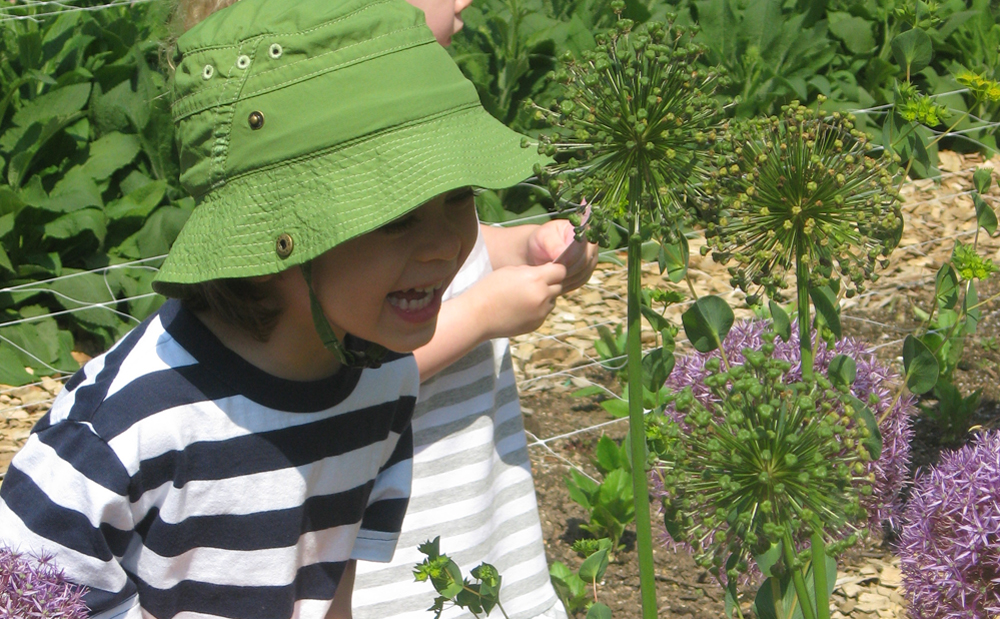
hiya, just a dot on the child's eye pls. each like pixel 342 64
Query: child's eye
pixel 400 225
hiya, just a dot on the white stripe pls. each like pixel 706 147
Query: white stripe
pixel 66 487
pixel 268 567
pixel 77 567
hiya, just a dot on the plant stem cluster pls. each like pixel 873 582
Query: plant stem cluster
pixel 765 461
pixel 805 191
pixel 33 588
pixel 637 111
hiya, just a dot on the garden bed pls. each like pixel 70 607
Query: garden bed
pixel 559 359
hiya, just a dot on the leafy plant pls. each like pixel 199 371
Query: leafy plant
pixel 479 597
pixel 90 181
pixel 571 587
pixel 610 502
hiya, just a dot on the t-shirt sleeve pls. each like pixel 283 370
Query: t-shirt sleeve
pixel 65 496
pixel 383 517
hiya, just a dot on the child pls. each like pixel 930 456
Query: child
pixel 237 452
pixel 472 479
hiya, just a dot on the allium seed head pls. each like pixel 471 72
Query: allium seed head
pixel 34 588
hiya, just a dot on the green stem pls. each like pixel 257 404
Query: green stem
pixel 805 328
pixel 637 430
pixel 819 576
pixel 805 602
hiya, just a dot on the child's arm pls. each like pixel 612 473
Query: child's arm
pixel 515 298
pixel 341 607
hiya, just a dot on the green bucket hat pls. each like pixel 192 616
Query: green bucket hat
pixel 304 123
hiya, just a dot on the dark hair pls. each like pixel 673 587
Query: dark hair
pixel 243 303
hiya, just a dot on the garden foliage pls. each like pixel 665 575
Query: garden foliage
pixel 89 181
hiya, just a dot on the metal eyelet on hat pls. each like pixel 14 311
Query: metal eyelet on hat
pixel 274 51
pixel 243 61
pixel 284 245
pixel 207 72
pixel 255 120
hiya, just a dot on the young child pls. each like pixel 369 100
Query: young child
pixel 472 481
pixel 235 454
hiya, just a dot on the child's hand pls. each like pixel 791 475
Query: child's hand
pixel 554 240
pixel 516 299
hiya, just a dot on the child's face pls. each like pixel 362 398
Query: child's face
pixel 443 16
pixel 386 286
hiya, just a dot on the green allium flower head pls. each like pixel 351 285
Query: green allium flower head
pixel 766 461
pixel 636 112
pixel 803 188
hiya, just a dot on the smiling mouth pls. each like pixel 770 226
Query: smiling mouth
pixel 414 299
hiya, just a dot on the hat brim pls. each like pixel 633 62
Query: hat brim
pixel 332 196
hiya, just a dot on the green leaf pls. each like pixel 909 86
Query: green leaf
pixel 764 606
pixel 12 368
pixel 608 455
pixel 655 319
pixel 616 407
pixel 985 216
pixel 842 370
pixel 62 101
pixel 598 610
pixel 71 225
pixel 946 287
pixel 673 258
pixel 873 442
pixel 913 50
pixel 656 367
pixel 594 566
pixel 855 32
pixel 28 145
pixel 780 321
pixel 921 367
pixel 982 178
pixel 766 560
pixel 588 391
pixel 707 322
pixel 110 153
pixel 453 585
pixel 825 303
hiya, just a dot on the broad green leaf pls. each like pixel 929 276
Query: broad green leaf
pixel 588 391
pixel 855 32
pixel 138 204
pixel 673 258
pixel 594 566
pixel 11 367
pixel 616 407
pixel 656 320
pixel 946 287
pixel 985 216
pixel 5 263
pixel 913 50
pixel 453 585
pixel 780 321
pixel 71 225
pixel 921 367
pixel 88 297
pixel 110 153
pixel 28 145
pixel 842 371
pixel 766 560
pixel 608 455
pixel 825 302
pixel 707 322
pixel 873 443
pixel 982 178
pixel 656 367
pixel 57 102
pixel 598 611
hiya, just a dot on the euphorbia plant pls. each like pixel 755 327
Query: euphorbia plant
pixel 633 129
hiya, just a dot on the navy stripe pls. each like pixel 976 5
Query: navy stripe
pixel 215 360
pixel 65 527
pixel 258 531
pixel 75 380
pixel 318 581
pixel 403 450
pixel 87 453
pixel 385 515
pixel 270 451
pixel 98 600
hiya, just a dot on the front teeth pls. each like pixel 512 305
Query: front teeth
pixel 414 304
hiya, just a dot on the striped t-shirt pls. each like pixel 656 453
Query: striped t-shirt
pixel 472 486
pixel 172 474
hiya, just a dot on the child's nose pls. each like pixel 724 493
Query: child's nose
pixel 441 242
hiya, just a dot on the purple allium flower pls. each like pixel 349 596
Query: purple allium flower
pixel 890 471
pixel 34 588
pixel 950 543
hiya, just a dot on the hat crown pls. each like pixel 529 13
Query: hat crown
pixel 263 82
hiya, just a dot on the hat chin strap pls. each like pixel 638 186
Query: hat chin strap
pixel 353 352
